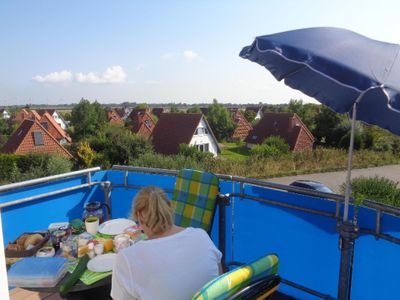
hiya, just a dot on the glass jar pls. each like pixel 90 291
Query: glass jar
pixel 95 209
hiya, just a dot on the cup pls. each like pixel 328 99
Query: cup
pixel 92 224
pixel 121 241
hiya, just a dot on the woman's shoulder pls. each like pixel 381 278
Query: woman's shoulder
pixel 198 232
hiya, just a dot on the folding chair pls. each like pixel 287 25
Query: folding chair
pixel 257 280
pixel 195 199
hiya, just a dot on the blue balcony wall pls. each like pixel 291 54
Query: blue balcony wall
pixel 38 214
pixel 376 266
pixel 307 244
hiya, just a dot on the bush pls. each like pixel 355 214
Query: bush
pixel 265 151
pixel 191 151
pixel 33 161
pixel 23 167
pixel 273 146
pixel 376 188
pixel 277 142
pixel 118 145
pixel 8 167
pixel 58 164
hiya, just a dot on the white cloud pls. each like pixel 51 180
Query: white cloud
pixel 190 55
pixel 114 74
pixel 55 77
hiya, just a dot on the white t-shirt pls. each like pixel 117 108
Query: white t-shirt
pixel 167 268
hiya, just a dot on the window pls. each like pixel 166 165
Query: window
pixel 38 138
pixel 201 130
pixel 45 125
pixel 203 147
pixel 148 123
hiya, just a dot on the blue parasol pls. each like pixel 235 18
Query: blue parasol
pixel 346 71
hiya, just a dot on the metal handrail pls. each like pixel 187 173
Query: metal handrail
pixel 31 182
pixel 382 207
pixel 54 193
pixel 257 182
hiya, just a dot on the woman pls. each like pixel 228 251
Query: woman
pixel 172 264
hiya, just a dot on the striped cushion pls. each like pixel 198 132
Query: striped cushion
pixel 194 198
pixel 230 283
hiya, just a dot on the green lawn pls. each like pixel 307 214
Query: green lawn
pixel 234 151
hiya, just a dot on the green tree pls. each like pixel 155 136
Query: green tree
pixel 328 127
pixel 119 145
pixel 194 110
pixel 220 120
pixel 174 109
pixel 250 115
pixel 306 112
pixel 141 106
pixel 87 119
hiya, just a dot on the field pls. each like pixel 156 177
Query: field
pixel 234 151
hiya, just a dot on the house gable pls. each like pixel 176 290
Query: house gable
pixel 243 127
pixel 114 117
pixel 48 122
pixel 286 125
pixel 173 129
pixel 203 138
pixel 143 124
pixel 30 137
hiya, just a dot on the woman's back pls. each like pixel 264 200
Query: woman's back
pixel 166 268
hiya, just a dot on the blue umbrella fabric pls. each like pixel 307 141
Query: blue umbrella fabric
pixel 344 70
pixel 337 67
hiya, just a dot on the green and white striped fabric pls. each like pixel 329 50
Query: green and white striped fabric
pixel 231 282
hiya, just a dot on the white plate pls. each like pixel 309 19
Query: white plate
pixel 102 263
pixel 116 226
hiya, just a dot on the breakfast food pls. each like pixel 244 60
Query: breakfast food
pixel 83 250
pixel 134 232
pixel 32 240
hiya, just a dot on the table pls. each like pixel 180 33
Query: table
pixel 99 290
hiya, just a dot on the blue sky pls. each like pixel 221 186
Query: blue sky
pixel 160 51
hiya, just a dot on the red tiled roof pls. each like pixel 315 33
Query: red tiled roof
pixel 41 112
pixel 173 129
pixel 53 127
pixel 120 111
pixel 114 117
pixel 136 111
pixel 143 124
pixel 22 141
pixel 21 115
pixel 243 127
pixel 286 125
pixel 34 115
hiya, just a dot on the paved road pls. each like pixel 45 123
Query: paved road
pixel 335 179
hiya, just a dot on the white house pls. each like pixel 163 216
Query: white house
pixel 56 116
pixel 4 114
pixel 174 129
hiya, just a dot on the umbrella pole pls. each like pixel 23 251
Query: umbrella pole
pixel 349 165
pixel 347 229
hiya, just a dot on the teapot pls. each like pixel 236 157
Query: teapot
pixel 95 209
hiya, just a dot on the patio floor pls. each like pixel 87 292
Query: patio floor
pixel 21 294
